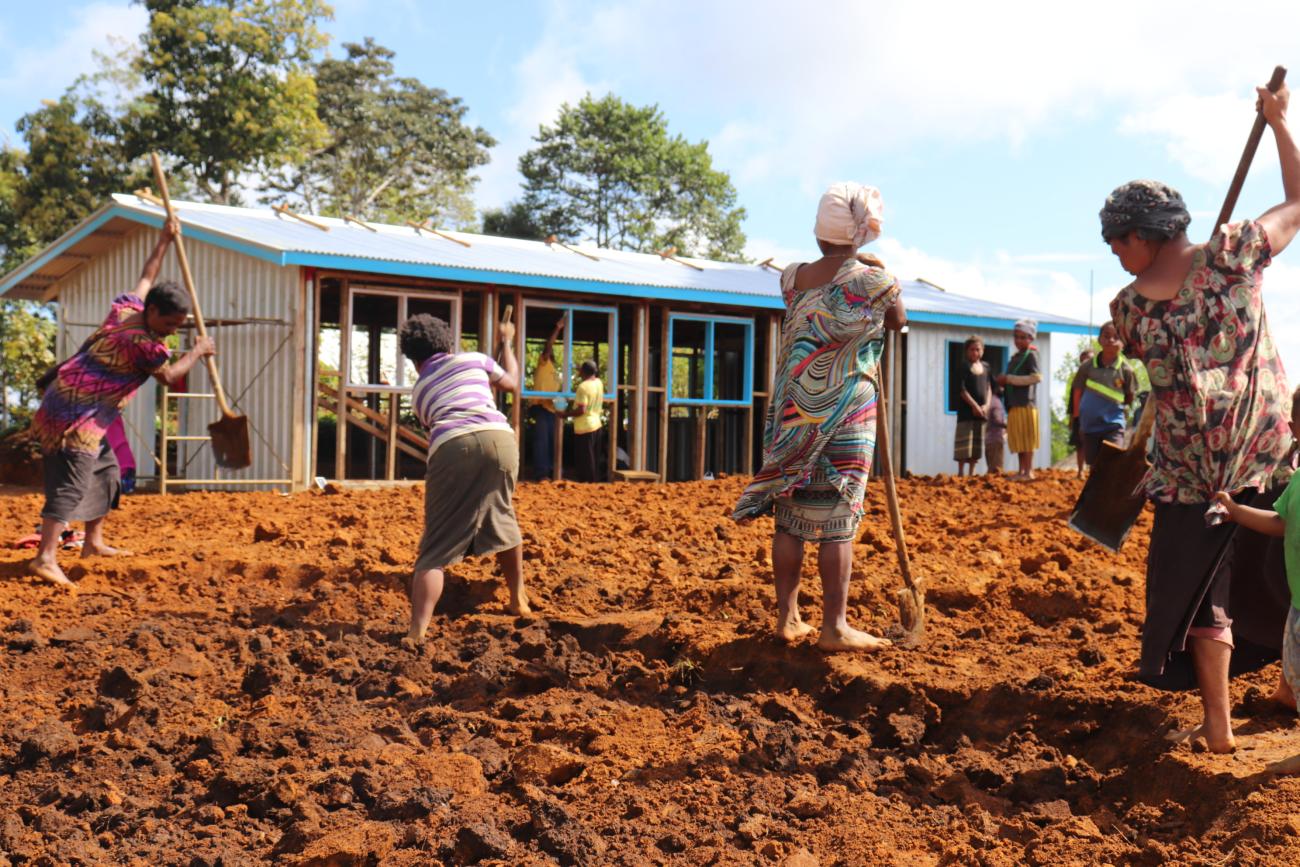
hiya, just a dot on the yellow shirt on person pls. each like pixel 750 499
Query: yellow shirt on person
pixel 546 378
pixel 590 395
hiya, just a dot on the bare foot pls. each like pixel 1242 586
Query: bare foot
pixel 1198 738
pixel 412 641
pixel 519 606
pixel 1285 766
pixel 50 571
pixel 1284 697
pixel 792 628
pixel 88 550
pixel 850 639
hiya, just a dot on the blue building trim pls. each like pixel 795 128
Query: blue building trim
pixel 709 399
pixel 611 379
pixel 968 321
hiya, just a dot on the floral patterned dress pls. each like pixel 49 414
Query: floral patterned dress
pixel 1221 397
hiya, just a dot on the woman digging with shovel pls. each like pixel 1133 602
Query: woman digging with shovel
pixel 820 430
pixel 1194 315
pixel 86 395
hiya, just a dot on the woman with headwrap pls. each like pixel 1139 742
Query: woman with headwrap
pixel 1194 315
pixel 820 430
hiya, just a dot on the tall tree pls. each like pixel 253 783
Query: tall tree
pixel 610 173
pixel 396 149
pixel 515 220
pixel 228 87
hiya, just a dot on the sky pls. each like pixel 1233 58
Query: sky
pixel 994 131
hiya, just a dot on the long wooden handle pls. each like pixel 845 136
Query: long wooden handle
pixel 161 180
pixel 891 491
pixel 1247 155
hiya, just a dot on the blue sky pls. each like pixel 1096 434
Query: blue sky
pixel 994 131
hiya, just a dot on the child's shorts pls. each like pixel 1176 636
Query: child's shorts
pixel 1291 653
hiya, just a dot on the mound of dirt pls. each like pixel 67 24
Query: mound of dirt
pixel 236 693
pixel 20 461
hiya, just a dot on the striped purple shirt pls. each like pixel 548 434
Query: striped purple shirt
pixel 453 396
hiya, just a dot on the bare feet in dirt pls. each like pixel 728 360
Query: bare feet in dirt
pixel 792 628
pixel 88 550
pixel 1283 697
pixel 850 639
pixel 1285 766
pixel 1199 739
pixel 520 607
pixel 412 641
pixel 50 572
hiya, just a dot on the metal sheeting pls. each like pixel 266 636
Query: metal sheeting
pixel 929 431
pixel 230 285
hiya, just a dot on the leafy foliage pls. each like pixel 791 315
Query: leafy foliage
pixel 396 149
pixel 228 87
pixel 610 173
pixel 26 351
pixel 515 220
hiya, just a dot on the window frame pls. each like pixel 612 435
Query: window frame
pixel 566 375
pixel 403 296
pixel 947 368
pixel 710 321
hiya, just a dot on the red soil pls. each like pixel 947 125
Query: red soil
pixel 236 694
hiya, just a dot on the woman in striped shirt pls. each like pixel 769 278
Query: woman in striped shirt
pixel 473 463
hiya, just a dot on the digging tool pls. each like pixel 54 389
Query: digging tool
pixel 911 596
pixel 1110 503
pixel 229 434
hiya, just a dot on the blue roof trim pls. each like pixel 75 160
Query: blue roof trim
pixel 53 253
pixel 216 239
pixel 528 281
pixel 983 322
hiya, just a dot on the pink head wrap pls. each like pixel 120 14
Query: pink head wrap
pixel 849 213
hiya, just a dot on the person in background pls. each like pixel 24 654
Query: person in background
pixel 585 411
pixel 973 408
pixel 1021 386
pixel 1075 441
pixel 995 432
pixel 1100 390
pixel 542 410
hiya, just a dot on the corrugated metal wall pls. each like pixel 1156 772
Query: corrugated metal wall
pixel 930 430
pixel 257 361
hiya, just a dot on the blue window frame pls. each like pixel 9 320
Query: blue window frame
pixel 609 374
pixel 710 392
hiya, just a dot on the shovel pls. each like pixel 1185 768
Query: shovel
pixel 911 596
pixel 229 434
pixel 1110 504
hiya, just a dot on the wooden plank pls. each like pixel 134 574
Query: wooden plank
pixel 747 449
pixel 374 430
pixel 313 371
pixel 701 440
pixel 345 349
pixel 664 355
pixel 611 445
pixel 378 418
pixel 642 405
pixel 299 372
pixel 394 424
pixel 162 441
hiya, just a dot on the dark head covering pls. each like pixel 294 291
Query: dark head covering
pixel 1152 209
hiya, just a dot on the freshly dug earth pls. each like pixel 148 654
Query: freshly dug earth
pixel 236 693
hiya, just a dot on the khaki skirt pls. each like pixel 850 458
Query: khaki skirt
pixel 468 492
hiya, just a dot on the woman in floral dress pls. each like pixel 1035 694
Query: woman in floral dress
pixel 1195 317
pixel 820 430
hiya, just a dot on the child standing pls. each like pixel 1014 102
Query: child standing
pixel 1076 441
pixel 1021 381
pixel 1283 521
pixel 1101 389
pixel 995 432
pixel 973 409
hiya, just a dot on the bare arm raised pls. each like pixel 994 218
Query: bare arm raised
pixel 1281 221
pixel 152 265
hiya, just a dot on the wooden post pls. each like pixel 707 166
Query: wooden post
pixel 301 370
pixel 640 406
pixel 701 440
pixel 394 419
pixel 313 372
pixel 162 441
pixel 345 362
pixel 747 449
pixel 615 425
pixel 665 357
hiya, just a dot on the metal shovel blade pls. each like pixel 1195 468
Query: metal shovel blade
pixel 911 613
pixel 230 442
pixel 1108 507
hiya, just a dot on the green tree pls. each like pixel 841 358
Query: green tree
pixel 396 149
pixel 610 173
pixel 26 351
pixel 228 87
pixel 515 220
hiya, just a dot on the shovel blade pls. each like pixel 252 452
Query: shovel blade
pixel 230 442
pixel 1108 508
pixel 911 614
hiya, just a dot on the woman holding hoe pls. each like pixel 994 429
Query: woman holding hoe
pixel 1194 315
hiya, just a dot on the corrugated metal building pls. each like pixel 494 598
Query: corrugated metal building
pixel 305 315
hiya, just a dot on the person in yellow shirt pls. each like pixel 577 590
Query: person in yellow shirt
pixel 586 414
pixel 542 410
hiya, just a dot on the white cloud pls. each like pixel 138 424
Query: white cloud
pixel 44 71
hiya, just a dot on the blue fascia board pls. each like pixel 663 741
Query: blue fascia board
pixel 54 252
pixel 530 281
pixel 988 322
pixel 216 239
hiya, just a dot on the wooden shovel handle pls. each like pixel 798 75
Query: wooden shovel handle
pixel 1247 155
pixel 891 490
pixel 161 180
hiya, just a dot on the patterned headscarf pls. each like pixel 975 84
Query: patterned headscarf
pixel 1148 205
pixel 849 213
